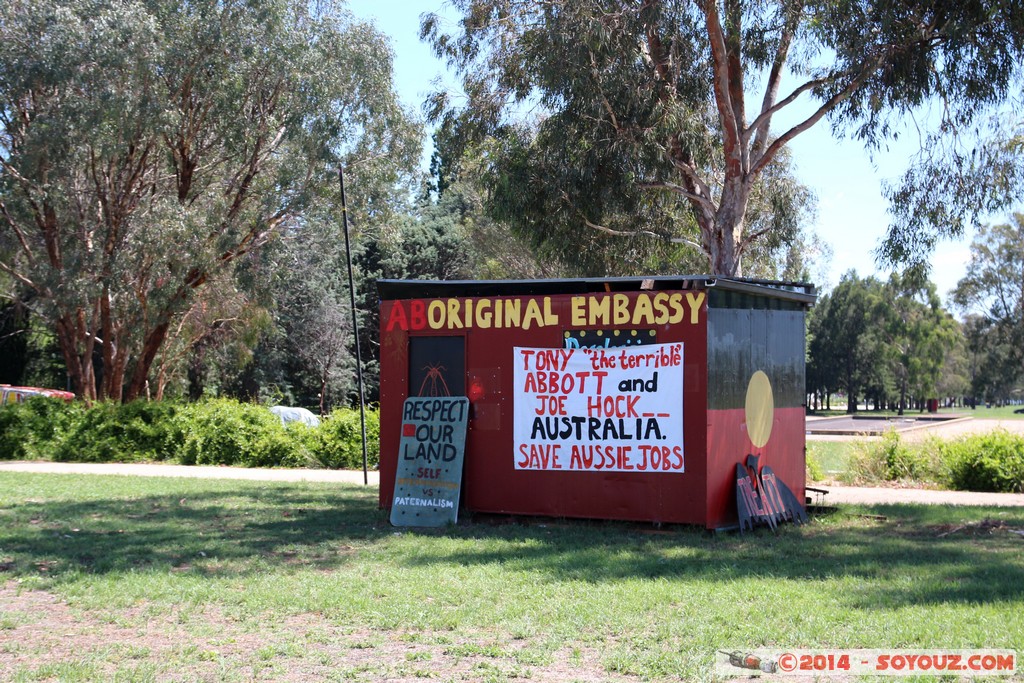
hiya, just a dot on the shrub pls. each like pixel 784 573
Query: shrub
pixel 226 432
pixel 116 432
pixel 210 432
pixel 903 462
pixel 889 459
pixel 986 462
pixel 36 428
pixel 338 442
pixel 815 470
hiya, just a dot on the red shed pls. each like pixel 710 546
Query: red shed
pixel 623 398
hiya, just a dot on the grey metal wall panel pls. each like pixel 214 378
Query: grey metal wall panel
pixel 741 342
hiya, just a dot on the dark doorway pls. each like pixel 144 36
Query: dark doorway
pixel 437 366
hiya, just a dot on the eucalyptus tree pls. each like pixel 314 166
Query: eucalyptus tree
pixel 146 146
pixel 917 334
pixel 660 118
pixel 993 289
pixel 845 349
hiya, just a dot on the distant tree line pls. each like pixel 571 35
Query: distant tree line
pixel 169 214
pixel 891 345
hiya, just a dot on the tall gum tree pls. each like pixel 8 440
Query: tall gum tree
pixel 146 146
pixel 663 90
pixel 993 290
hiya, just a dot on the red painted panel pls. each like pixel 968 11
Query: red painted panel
pixel 728 444
pixel 491 483
pixel 714 440
pixel 394 389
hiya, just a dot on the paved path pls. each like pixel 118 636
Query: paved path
pixel 836 495
pixel 949 429
pixel 857 495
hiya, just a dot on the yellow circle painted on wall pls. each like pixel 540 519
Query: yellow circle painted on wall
pixel 760 409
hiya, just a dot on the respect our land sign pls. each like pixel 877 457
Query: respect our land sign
pixel 599 409
pixel 430 456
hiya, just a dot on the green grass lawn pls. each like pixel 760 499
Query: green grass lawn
pixel 980 413
pixel 1004 413
pixel 832 457
pixel 134 579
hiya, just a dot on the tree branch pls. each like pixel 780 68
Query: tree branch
pixel 869 68
pixel 628 233
pixel 700 192
pixel 762 124
pixel 600 90
pixel 722 87
pixel 680 190
pixel 764 118
pixel 638 233
pixel 18 231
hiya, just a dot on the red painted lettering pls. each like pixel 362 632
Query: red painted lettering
pixel 397 317
pixel 417 314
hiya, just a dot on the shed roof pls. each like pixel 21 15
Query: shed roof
pixel 799 292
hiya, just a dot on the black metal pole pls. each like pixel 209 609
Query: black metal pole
pixel 355 322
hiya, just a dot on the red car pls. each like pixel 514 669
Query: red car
pixel 9 394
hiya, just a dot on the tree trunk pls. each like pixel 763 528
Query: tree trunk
pixel 323 392
pixel 153 341
pixel 71 329
pixel 728 230
pixel 903 396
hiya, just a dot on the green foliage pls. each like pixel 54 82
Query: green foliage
pixel 903 462
pixel 843 345
pixel 890 459
pixel 952 187
pixel 885 341
pixel 338 440
pixel 989 462
pixel 984 462
pixel 149 147
pixel 638 122
pixel 992 295
pixel 815 469
pixel 115 432
pixel 36 428
pixel 208 432
pixel 227 432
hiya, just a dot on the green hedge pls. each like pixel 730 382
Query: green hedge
pixel 115 432
pixel 987 462
pixel 209 432
pixel 984 462
pixel 338 441
pixel 34 430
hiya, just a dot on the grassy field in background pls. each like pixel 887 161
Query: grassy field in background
pixel 135 579
pixel 833 457
pixel 980 413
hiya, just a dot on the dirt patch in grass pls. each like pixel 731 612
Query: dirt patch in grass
pixel 43 638
pixel 983 527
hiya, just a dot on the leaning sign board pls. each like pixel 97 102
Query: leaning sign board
pixel 430 456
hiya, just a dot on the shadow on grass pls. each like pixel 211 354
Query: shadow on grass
pixel 227 531
pixel 915 556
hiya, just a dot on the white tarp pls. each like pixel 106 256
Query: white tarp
pixel 288 414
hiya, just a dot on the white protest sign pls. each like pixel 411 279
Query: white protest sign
pixel 617 409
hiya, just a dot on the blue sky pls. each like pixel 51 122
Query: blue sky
pixel 852 213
